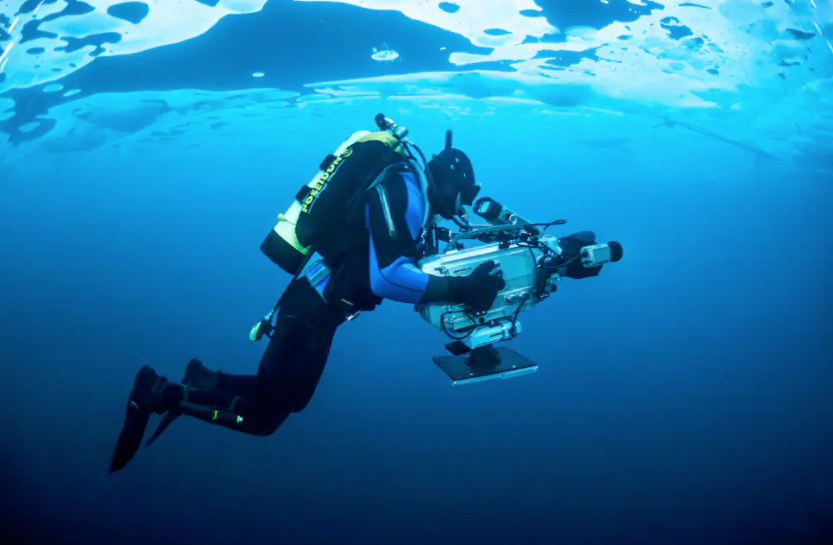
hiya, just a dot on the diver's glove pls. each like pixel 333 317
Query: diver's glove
pixel 477 290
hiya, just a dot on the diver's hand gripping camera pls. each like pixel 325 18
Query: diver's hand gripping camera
pixel 531 263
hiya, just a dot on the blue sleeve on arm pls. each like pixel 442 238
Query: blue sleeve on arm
pixel 393 241
pixel 400 281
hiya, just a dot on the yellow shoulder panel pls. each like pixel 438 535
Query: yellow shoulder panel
pixel 384 137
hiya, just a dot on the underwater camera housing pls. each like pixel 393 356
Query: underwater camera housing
pixel 531 264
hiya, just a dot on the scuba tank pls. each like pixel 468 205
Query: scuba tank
pixel 318 222
pixel 282 245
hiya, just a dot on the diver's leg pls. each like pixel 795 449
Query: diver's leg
pixel 199 377
pixel 212 396
pixel 287 378
pixel 288 375
pixel 244 385
pixel 292 366
pixel 294 363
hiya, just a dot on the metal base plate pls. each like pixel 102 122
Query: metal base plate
pixel 503 363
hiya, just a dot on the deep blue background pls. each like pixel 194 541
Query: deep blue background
pixel 683 395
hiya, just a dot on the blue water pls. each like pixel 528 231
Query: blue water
pixel 683 396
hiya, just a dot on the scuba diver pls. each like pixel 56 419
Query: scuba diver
pixel 353 241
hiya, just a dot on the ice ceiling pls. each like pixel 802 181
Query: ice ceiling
pixel 77 76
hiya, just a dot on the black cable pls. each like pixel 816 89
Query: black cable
pixel 450 336
pixel 550 224
pixel 518 311
pixel 424 162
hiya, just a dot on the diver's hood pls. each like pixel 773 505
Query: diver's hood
pixel 454 185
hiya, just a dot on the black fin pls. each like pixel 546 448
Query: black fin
pixel 136 419
pixel 166 421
